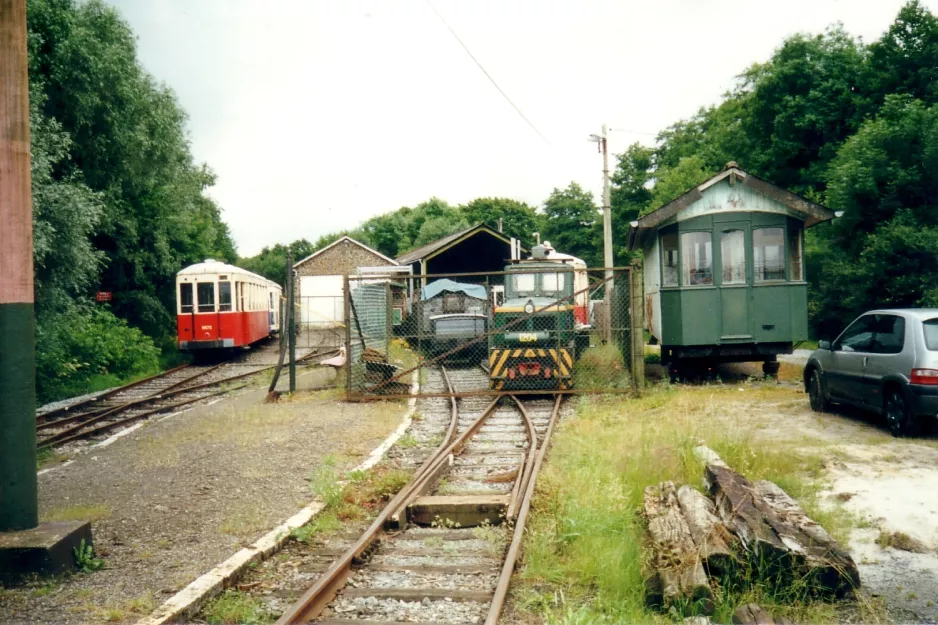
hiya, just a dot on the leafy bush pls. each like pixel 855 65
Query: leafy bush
pixel 601 367
pixel 86 348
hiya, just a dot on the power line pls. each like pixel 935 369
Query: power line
pixel 487 75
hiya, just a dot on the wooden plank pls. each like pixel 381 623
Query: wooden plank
pixel 419 594
pixel 430 569
pixel 678 572
pixel 708 531
pixel 467 511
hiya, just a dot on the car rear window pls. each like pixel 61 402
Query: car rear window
pixel 931 334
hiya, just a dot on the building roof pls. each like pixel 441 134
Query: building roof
pixel 430 249
pixel 340 240
pixel 435 288
pixel 813 213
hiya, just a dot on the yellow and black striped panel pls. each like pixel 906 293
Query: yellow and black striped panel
pixel 500 359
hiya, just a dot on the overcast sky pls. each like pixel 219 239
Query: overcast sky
pixel 319 114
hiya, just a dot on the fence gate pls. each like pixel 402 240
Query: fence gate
pixel 533 330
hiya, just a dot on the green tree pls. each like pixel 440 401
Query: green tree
pixel 630 195
pixel 905 59
pixel 518 219
pixel 572 224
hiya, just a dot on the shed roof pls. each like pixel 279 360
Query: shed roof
pixel 441 244
pixel 813 213
pixel 350 240
pixel 435 288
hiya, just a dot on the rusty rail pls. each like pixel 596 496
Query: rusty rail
pixel 314 600
pixel 504 579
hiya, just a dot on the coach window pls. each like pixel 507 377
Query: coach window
pixel 224 297
pixel 795 266
pixel 768 254
pixel 185 298
pixel 697 258
pixel 733 253
pixel 206 291
pixel 669 259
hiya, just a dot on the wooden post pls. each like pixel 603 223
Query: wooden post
pixel 19 507
pixel 347 300
pixel 637 324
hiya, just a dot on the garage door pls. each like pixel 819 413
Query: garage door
pixel 321 303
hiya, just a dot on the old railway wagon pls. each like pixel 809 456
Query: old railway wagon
pixel 220 306
pixel 724 272
pixel 452 313
pixel 538 326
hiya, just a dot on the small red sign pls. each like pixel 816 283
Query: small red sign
pixel 103 296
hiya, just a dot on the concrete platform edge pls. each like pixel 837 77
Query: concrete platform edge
pixel 188 601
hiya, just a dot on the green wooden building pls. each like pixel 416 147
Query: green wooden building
pixel 724 271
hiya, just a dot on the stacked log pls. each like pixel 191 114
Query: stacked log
pixel 696 539
pixel 678 571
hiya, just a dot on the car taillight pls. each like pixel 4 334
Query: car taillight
pixel 925 376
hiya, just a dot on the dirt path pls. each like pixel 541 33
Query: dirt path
pixel 182 493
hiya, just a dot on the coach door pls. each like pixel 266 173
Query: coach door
pixel 206 320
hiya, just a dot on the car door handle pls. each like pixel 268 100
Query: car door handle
pixel 866 359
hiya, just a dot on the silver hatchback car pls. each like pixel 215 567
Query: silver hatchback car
pixel 885 361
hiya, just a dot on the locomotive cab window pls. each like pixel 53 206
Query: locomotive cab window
pixel 552 282
pixel 523 283
pixel 224 297
pixel 185 298
pixel 768 254
pixel 206 292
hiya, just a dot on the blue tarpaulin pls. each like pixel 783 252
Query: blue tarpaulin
pixel 435 288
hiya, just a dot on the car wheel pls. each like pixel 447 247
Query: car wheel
pixel 901 422
pixel 816 393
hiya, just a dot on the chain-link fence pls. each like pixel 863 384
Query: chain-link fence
pixel 320 321
pixel 537 328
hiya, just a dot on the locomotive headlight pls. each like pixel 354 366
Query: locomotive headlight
pixel 529 307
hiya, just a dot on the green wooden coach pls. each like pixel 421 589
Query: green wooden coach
pixel 724 272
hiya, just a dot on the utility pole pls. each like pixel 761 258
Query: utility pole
pixel 607 231
pixel 19 504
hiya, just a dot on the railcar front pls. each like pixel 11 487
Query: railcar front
pixel 534 346
pixel 220 306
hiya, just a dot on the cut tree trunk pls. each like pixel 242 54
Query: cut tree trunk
pixel 779 537
pixel 828 564
pixel 708 531
pixel 678 572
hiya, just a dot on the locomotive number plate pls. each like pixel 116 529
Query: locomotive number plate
pixel 528 337
pixel 206 327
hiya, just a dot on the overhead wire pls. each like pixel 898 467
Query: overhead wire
pixel 487 75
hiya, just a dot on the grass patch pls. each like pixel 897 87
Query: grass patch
pixel 234 607
pixel 358 496
pixel 585 548
pixel 602 367
pixel 48 456
pixel 77 513
pixel 901 541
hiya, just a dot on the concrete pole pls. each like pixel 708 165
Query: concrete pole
pixel 19 508
pixel 607 236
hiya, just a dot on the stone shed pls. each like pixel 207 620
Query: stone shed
pixel 320 279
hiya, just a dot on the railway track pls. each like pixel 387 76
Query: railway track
pixel 441 550
pixel 172 389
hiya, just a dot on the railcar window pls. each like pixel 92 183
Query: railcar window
pixel 794 255
pixel 733 253
pixel 224 297
pixel 523 282
pixel 206 291
pixel 768 254
pixel 185 297
pixel 697 256
pixel 669 259
pixel 552 282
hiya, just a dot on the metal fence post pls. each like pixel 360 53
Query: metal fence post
pixel 347 294
pixel 291 329
pixel 637 323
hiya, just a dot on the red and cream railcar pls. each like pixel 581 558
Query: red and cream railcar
pixel 222 306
